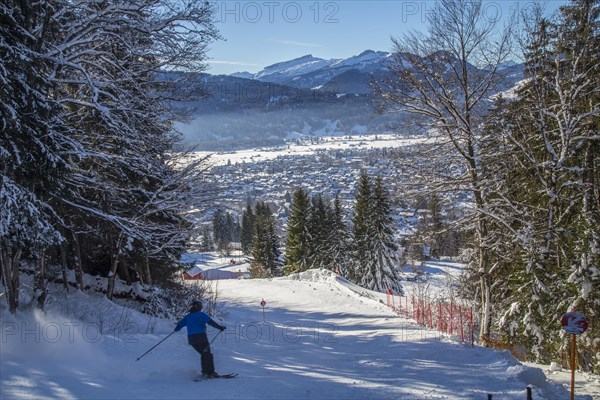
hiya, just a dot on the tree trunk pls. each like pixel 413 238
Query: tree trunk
pixel 63 265
pixel 124 271
pixel 40 287
pixel 10 271
pixel 78 263
pixel 112 276
pixel 147 275
pixel 486 301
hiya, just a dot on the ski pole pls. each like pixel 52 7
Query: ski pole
pixel 153 347
pixel 215 338
pixel 211 342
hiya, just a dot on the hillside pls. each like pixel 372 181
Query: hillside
pixel 322 338
pixel 300 96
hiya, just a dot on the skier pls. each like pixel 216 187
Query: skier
pixel 196 322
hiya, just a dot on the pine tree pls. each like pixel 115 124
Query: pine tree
pixel 298 241
pixel 361 231
pixel 265 246
pixel 31 149
pixel 544 226
pixel 86 130
pixel 207 241
pixel 338 242
pixel 247 229
pixel 385 250
pixel 318 227
pixel 219 227
pixel 375 261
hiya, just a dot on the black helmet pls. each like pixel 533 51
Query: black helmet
pixel 196 305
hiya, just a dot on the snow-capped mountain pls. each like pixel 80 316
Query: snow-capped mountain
pixel 309 72
pixel 247 110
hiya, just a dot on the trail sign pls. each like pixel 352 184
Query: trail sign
pixel 263 303
pixel 574 323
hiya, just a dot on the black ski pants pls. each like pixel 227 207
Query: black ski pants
pixel 200 343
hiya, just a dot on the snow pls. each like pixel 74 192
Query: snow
pixel 332 139
pixel 321 338
pixel 293 68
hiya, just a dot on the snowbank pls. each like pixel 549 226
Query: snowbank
pixel 312 275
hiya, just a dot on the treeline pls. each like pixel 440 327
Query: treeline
pixel 542 151
pixel 528 159
pixel 88 178
pixel 319 236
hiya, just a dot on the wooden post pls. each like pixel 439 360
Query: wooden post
pixel 451 316
pixel 462 332
pixel 471 326
pixel 529 397
pixel 430 316
pixel 573 353
pixel 263 303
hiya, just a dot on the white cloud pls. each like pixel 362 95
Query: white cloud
pixel 222 62
pixel 294 43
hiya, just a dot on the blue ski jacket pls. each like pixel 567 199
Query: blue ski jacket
pixel 196 323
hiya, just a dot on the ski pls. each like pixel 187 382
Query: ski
pixel 224 376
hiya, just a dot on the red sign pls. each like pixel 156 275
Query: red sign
pixel 574 323
pixel 263 303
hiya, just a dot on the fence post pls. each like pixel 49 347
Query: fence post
pixel 471 323
pixel 451 316
pixel 462 334
pixel 430 316
pixel 489 396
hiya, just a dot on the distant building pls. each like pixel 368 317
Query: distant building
pixel 193 274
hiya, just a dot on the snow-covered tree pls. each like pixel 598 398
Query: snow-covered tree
pixel 386 261
pixel 375 260
pixel 544 206
pixel 318 227
pixel 298 240
pixel 265 246
pixel 247 229
pixel 435 79
pixel 361 230
pixel 86 128
pixel 337 243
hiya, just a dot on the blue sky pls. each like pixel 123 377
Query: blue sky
pixel 261 33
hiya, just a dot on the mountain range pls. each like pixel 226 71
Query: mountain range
pixel 306 96
pixel 350 75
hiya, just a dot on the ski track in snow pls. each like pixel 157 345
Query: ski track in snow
pixel 322 338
